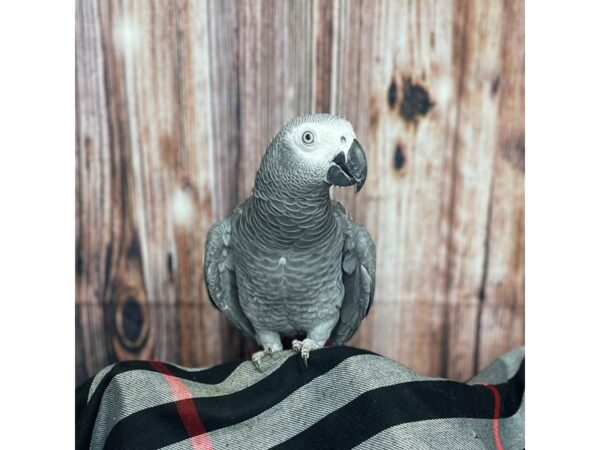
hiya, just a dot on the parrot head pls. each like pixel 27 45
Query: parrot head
pixel 315 150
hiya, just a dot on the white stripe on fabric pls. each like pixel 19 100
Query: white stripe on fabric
pixel 186 444
pixel 97 379
pixel 502 369
pixel 451 434
pixel 187 369
pixel 438 434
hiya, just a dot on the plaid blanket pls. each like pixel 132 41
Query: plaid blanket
pixel 345 398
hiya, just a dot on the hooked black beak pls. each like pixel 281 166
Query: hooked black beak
pixel 348 171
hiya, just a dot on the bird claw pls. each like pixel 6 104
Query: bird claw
pixel 258 357
pixel 305 355
pixel 256 360
pixel 304 348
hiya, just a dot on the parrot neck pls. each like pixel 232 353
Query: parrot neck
pixel 293 216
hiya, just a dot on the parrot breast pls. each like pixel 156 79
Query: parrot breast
pixel 289 277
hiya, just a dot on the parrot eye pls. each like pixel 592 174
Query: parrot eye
pixel 308 137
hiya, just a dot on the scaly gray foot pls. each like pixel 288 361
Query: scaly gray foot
pixel 305 347
pixel 258 357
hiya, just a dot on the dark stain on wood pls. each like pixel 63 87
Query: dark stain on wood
pixel 495 85
pixel 444 340
pixel 170 265
pixel 373 115
pixel 128 319
pixel 486 251
pixel 133 319
pixel 416 102
pixel 513 151
pixel 79 266
pixel 399 158
pixel 432 40
pixel 133 251
pixel 481 295
pixel 187 185
pixel 107 265
pixel 89 151
pixel 392 95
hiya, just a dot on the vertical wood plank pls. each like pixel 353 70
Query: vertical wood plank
pixel 501 322
pixel 124 288
pixel 476 60
pixel 200 337
pixel 323 70
pixel 93 187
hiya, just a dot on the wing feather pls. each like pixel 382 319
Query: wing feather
pixel 219 275
pixel 358 275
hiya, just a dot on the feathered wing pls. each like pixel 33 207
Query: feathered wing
pixel 219 275
pixel 358 274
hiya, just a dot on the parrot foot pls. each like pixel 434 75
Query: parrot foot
pixel 305 347
pixel 258 357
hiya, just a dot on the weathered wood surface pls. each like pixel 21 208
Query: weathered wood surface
pixel 176 101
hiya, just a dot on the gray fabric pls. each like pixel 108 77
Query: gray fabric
pixel 135 391
pixel 311 403
pixel 97 379
pixel 501 369
pixel 442 434
pixel 451 434
pixel 317 399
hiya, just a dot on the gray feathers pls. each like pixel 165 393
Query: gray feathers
pixel 358 265
pixel 219 274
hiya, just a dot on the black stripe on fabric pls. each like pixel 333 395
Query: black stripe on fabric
pixel 161 425
pixel 86 413
pixel 81 397
pixel 382 408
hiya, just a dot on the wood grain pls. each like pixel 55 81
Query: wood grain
pixel 502 307
pixel 176 101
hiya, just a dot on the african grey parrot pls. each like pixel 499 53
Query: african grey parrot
pixel 289 260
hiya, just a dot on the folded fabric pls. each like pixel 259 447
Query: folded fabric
pixel 345 398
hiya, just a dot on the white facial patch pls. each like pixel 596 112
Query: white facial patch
pixel 330 138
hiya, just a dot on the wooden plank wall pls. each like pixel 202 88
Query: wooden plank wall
pixel 177 100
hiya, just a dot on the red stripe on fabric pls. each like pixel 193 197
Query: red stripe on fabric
pixel 496 423
pixel 186 408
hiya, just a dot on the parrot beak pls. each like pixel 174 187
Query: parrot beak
pixel 346 171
